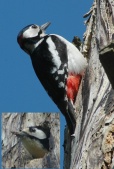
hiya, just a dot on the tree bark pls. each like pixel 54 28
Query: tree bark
pixel 14 154
pixel 93 145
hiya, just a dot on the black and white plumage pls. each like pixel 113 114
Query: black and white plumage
pixel 35 139
pixel 58 65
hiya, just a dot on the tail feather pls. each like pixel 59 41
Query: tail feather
pixel 70 117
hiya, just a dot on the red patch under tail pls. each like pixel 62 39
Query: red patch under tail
pixel 73 83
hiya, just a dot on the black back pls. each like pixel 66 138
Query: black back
pixel 43 65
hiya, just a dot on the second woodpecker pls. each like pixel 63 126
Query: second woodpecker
pixel 35 139
pixel 58 64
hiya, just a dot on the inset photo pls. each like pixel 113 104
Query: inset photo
pixel 30 140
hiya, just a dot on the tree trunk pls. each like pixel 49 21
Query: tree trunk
pixel 13 153
pixel 93 145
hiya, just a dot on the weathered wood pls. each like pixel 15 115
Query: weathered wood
pixel 106 56
pixel 93 146
pixel 13 152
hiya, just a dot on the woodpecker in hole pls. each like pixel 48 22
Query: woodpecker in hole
pixel 35 139
pixel 58 64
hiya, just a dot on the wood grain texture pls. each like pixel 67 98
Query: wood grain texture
pixel 93 146
pixel 13 152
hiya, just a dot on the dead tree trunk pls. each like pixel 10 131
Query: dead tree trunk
pixel 13 153
pixel 93 146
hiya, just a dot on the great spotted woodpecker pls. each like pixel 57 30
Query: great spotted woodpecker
pixel 58 64
pixel 35 139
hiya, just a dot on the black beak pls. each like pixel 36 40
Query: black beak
pixel 19 134
pixel 45 26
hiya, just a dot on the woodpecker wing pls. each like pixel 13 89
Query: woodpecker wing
pixel 50 63
pixel 76 61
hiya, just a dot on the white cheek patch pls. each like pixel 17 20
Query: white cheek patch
pixel 38 133
pixel 29 33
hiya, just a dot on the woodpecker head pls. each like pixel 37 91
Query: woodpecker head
pixel 35 139
pixel 30 35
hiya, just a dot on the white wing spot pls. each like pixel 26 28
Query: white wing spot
pixel 54 70
pixel 65 76
pixel 56 78
pixel 61 72
pixel 65 99
pixel 61 84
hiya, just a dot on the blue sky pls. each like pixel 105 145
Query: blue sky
pixel 20 89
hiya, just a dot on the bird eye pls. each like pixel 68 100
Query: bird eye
pixel 34 26
pixel 31 129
